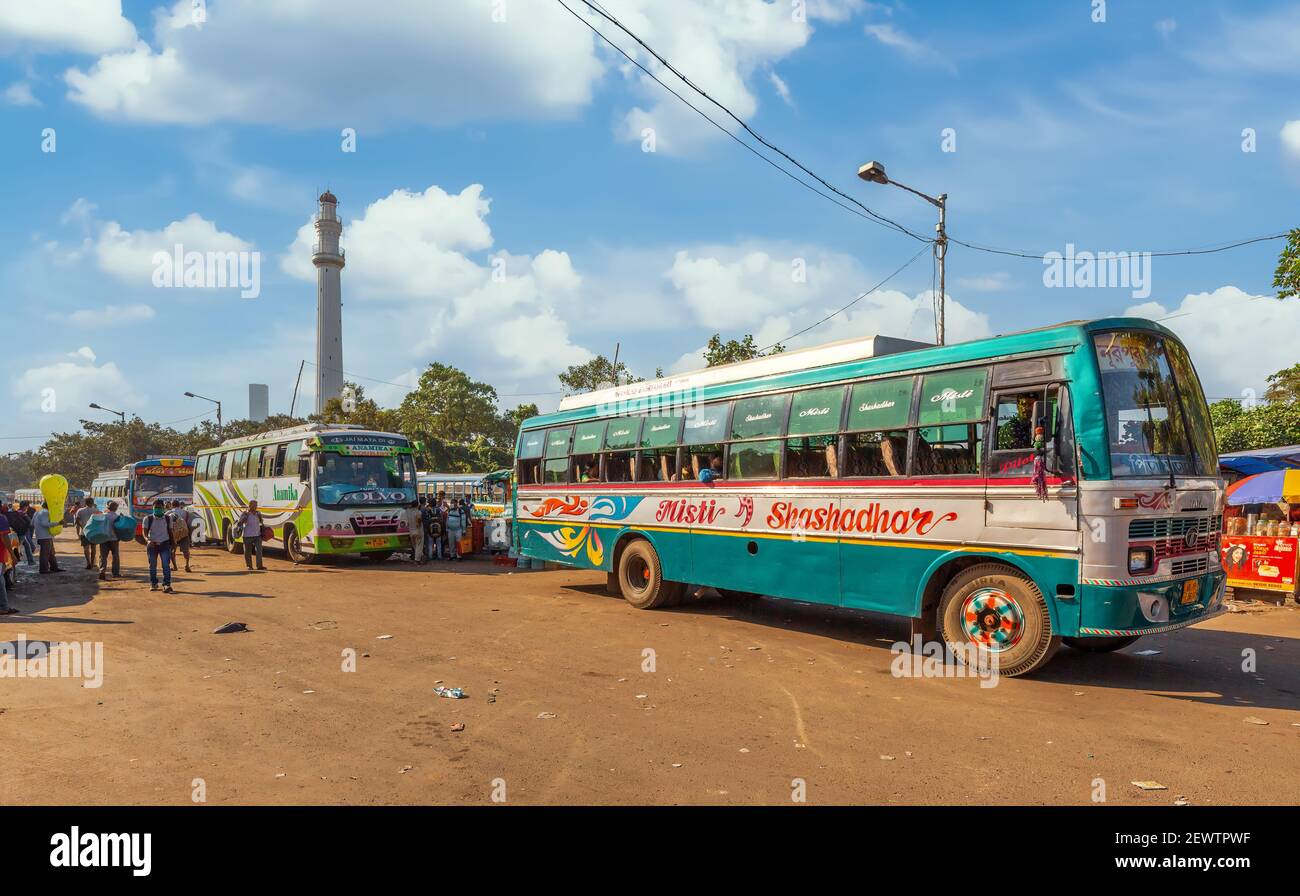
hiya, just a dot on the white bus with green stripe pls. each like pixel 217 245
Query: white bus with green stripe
pixel 322 489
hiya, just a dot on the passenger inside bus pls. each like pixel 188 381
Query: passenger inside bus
pixel 588 468
pixel 619 466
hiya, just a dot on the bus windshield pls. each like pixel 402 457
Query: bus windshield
pixel 151 486
pixel 1156 417
pixel 343 480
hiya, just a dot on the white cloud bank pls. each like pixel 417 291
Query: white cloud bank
pixel 79 26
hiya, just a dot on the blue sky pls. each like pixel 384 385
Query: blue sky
pixel 502 137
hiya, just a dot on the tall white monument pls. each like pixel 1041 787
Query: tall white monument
pixel 328 258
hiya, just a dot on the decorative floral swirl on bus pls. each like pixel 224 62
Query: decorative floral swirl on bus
pixel 569 540
pixel 574 506
pixel 1153 501
pixel 613 507
pixel 746 510
pixel 873 518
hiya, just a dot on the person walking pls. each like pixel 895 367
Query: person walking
pixel 184 517
pixel 159 546
pixel 82 517
pixel 21 522
pixel 111 546
pixel 250 525
pixel 41 525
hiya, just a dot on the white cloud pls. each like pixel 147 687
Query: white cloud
pixel 1290 137
pixel 81 26
pixel 1232 336
pixel 782 89
pixel 910 48
pixel 1166 27
pixel 19 93
pixel 320 64
pixel 65 387
pixel 110 316
pixel 128 255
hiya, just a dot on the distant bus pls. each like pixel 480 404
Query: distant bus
pixel 322 488
pixel 1007 494
pixel 138 484
pixel 486 491
pixel 33 496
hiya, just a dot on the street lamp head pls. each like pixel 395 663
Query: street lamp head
pixel 189 394
pixel 95 406
pixel 873 172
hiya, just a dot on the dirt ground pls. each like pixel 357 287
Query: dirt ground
pixel 749 701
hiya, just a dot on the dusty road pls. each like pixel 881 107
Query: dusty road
pixel 746 699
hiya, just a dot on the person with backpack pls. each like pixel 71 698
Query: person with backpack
pixel 426 528
pixel 112 546
pixel 181 522
pixel 158 538
pixel 82 517
pixel 250 525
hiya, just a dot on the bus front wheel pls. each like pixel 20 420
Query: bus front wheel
pixel 228 539
pixel 996 609
pixel 293 547
pixel 641 578
pixel 1101 645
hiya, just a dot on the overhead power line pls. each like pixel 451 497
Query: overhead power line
pixel 856 207
pixel 860 297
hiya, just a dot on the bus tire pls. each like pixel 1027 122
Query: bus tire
pixel 1100 645
pixel 228 539
pixel 641 578
pixel 996 607
pixel 293 547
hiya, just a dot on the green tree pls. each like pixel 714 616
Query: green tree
pixel 1284 385
pixel 595 374
pixel 1286 279
pixel 16 471
pixel 719 352
pixel 355 408
pixel 80 456
pixel 458 421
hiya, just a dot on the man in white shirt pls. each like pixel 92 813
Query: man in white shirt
pixel 41 525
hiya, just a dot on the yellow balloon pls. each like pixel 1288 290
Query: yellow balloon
pixel 54 489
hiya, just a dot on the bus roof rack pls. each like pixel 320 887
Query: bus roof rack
pixel 799 359
pixel 303 429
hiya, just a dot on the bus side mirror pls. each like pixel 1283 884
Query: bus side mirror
pixel 304 469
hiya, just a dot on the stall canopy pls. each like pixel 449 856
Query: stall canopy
pixel 1248 463
pixel 1266 488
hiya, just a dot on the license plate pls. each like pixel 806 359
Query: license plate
pixel 383 542
pixel 1191 591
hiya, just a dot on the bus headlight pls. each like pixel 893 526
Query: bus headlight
pixel 1140 559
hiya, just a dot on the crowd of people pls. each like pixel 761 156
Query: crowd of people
pixel 437 525
pixel 443 522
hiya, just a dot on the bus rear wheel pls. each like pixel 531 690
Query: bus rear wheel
pixel 293 547
pixel 1101 645
pixel 994 608
pixel 641 578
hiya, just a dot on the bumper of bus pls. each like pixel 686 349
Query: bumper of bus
pixel 1119 609
pixel 360 544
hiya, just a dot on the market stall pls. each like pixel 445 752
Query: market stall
pixel 1262 533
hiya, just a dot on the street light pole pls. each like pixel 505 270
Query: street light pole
pixel 214 401
pixel 874 172
pixel 120 414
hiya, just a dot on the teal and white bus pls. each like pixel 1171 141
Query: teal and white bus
pixel 914 482
pixel 322 489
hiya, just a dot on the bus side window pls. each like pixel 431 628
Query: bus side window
pixel 277 468
pixel 955 449
pixel 1012 451
pixel 877 453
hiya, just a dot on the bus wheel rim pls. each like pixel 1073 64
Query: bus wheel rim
pixel 993 619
